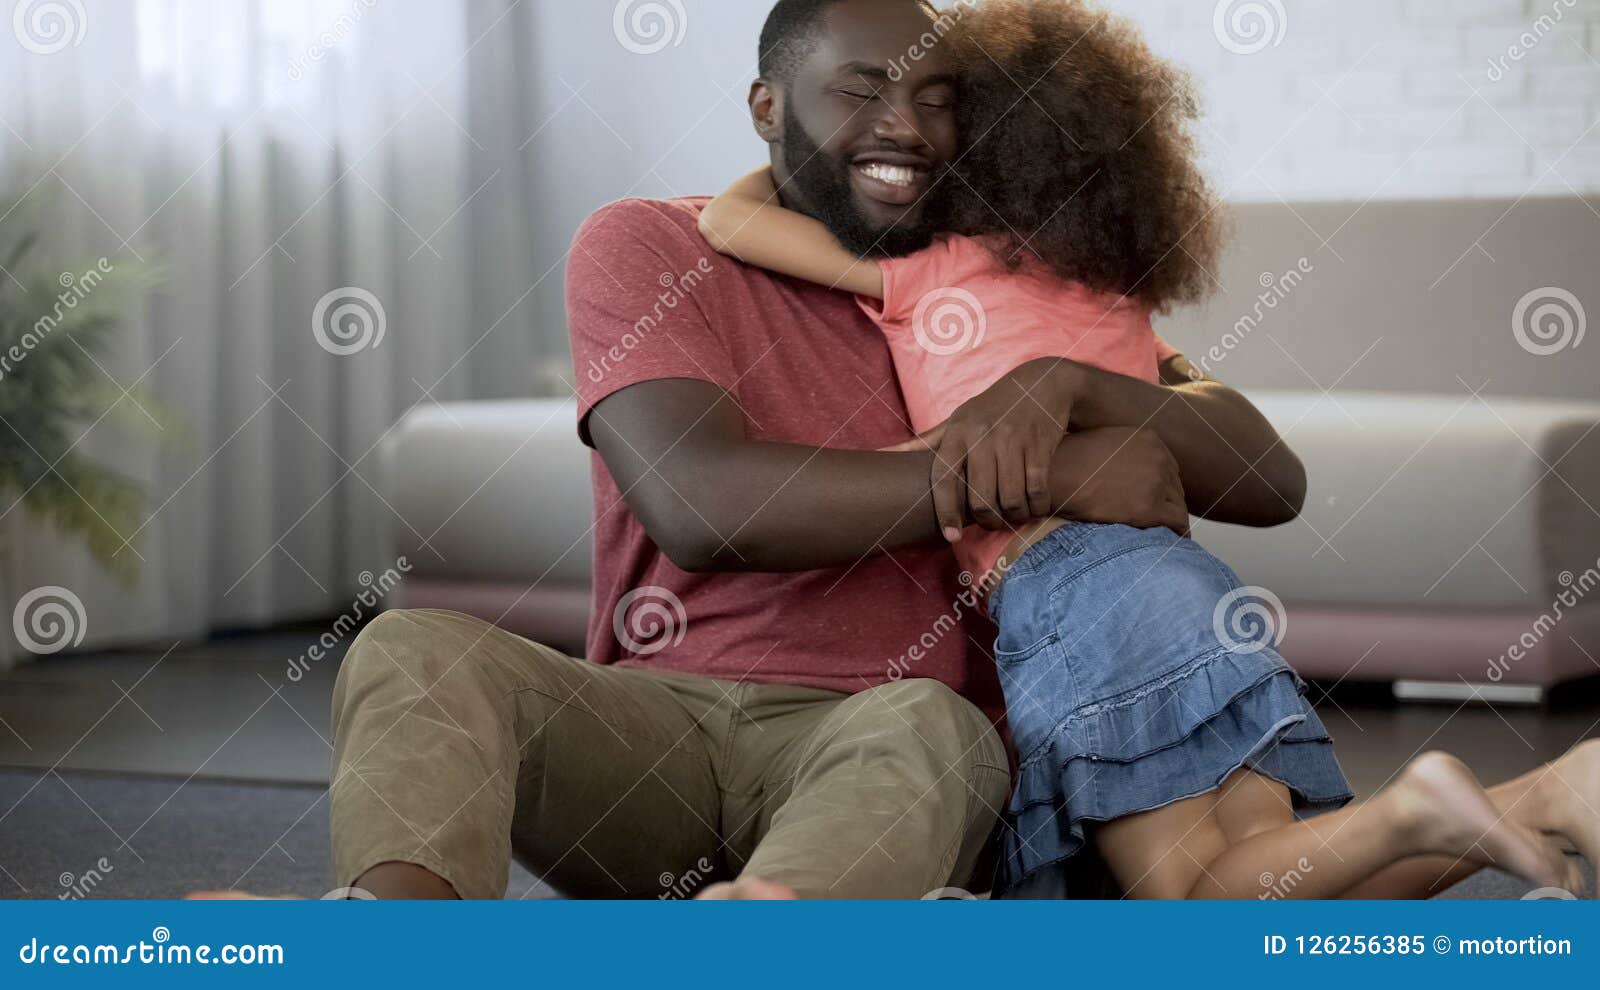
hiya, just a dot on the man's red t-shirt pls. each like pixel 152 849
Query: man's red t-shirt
pixel 648 299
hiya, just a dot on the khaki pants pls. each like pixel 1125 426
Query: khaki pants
pixel 458 745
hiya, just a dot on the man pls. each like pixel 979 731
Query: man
pixel 807 726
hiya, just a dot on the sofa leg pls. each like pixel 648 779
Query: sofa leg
pixel 1582 693
pixel 1349 693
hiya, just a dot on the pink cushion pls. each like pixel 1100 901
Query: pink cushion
pixel 1483 646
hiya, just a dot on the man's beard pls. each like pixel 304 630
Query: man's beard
pixel 823 183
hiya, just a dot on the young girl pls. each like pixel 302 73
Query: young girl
pixel 1184 755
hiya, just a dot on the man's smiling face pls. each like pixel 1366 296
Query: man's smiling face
pixel 868 125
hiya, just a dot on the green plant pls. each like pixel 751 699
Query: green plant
pixel 57 329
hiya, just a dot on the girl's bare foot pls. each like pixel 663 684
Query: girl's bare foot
pixel 1566 799
pixel 1448 812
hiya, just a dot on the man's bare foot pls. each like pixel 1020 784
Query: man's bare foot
pixel 231 895
pixel 1566 799
pixel 1448 812
pixel 748 889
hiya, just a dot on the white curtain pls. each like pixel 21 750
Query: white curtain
pixel 267 154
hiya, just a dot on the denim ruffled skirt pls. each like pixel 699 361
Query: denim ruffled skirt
pixel 1139 672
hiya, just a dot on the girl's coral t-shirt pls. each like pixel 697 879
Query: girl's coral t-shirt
pixel 957 321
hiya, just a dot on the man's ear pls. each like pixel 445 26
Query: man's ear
pixel 766 111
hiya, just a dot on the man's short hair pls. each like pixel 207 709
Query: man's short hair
pixel 791 35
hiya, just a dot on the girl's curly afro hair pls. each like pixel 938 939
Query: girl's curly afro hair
pixel 1078 150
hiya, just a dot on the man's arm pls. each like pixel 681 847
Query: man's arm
pixel 713 500
pixel 1236 468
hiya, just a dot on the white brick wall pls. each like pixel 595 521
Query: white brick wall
pixel 1391 98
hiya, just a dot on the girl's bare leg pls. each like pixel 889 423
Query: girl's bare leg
pixel 1561 798
pixel 1242 840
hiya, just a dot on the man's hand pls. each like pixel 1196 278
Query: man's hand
pixel 992 457
pixel 1236 469
pixel 1121 475
pixel 715 501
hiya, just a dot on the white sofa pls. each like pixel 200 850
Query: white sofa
pixel 1446 532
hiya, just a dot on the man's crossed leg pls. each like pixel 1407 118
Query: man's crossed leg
pixel 458 744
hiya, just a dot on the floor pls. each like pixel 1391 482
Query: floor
pixel 236 708
pixel 80 835
pixel 145 773
pixel 1375 735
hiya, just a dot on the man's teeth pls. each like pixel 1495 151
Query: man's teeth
pixel 895 175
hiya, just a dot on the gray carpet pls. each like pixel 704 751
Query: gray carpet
pixel 125 837
pixel 153 837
